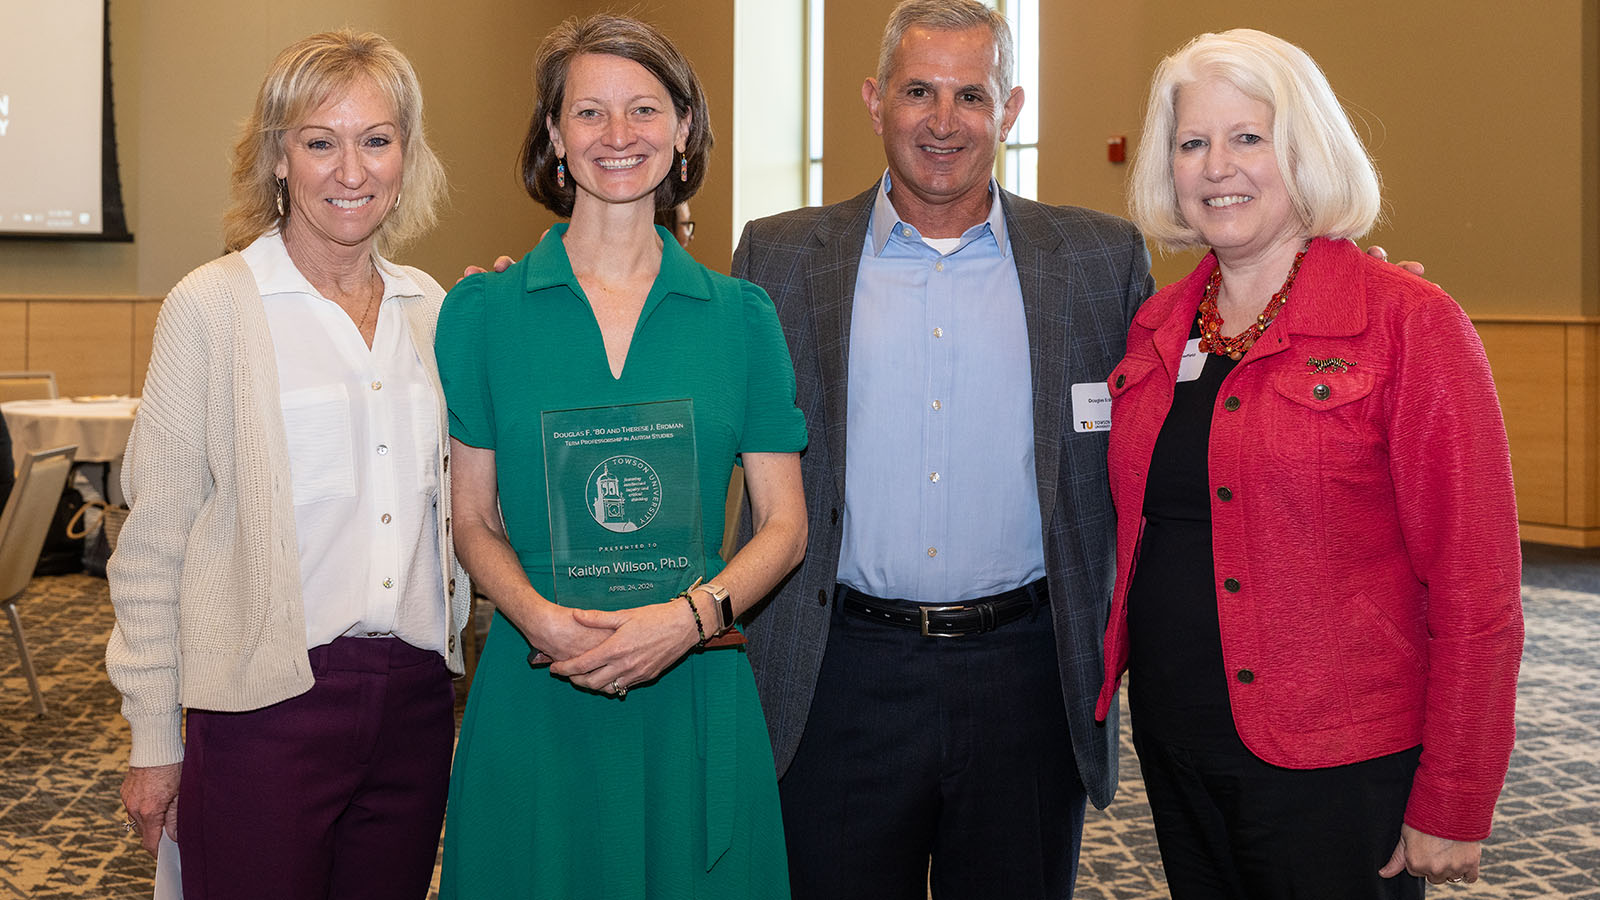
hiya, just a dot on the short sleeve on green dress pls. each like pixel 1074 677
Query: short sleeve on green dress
pixel 458 344
pixel 772 422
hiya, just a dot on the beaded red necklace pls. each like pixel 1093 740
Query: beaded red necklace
pixel 1211 339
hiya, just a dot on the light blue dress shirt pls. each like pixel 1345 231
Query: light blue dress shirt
pixel 941 501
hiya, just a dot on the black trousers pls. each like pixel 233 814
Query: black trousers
pixel 949 750
pixel 1232 827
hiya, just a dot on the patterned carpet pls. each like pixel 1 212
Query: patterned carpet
pixel 59 811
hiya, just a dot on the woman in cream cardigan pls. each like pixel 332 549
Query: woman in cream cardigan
pixel 285 574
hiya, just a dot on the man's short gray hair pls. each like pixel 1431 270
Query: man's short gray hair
pixel 948 15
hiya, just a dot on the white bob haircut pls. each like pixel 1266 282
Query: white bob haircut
pixel 1331 180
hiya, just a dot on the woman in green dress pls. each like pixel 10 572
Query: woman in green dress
pixel 638 764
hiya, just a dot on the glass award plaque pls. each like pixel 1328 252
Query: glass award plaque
pixel 623 488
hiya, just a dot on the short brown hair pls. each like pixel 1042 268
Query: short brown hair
pixel 303 77
pixel 629 39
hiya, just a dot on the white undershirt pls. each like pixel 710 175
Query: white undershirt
pixel 362 428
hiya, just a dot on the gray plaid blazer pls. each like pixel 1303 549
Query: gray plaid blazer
pixel 1083 275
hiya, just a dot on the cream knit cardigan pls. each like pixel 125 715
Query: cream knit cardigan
pixel 206 576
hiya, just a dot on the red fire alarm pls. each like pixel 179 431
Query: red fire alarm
pixel 1117 148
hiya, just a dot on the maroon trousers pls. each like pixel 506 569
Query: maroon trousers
pixel 338 792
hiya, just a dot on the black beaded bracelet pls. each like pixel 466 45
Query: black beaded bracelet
pixel 698 625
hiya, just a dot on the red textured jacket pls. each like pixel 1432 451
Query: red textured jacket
pixel 1364 529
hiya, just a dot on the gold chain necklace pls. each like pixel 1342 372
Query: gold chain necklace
pixel 372 297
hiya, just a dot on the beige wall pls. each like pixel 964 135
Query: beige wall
pixel 1484 119
pixel 1485 156
pixel 852 156
pixel 186 75
pixel 1470 108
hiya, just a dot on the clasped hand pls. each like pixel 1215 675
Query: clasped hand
pixel 598 649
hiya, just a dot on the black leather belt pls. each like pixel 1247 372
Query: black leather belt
pixel 955 620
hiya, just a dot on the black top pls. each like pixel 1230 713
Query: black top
pixel 1177 687
pixel 8 475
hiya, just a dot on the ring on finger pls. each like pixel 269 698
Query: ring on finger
pixel 620 689
pixel 1455 880
pixel 130 826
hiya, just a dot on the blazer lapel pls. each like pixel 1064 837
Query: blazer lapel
pixel 831 284
pixel 1034 246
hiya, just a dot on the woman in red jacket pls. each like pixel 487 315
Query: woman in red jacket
pixel 1317 593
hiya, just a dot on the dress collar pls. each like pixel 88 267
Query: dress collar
pixel 547 265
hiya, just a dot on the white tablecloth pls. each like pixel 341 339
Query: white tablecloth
pixel 99 427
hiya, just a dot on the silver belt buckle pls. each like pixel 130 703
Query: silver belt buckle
pixel 934 609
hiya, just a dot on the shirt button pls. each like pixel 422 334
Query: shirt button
pixel 939 266
pixel 1224 494
pixel 388 582
pixel 383 449
pixel 377 385
pixel 1122 380
pixel 451 586
pixel 936 405
pixel 1232 585
pixel 447 462
pixel 451 644
pixel 933 477
pixel 822 598
pixel 384 518
pixel 938 332
pixel 1246 676
pixel 374 634
pixel 1231 404
pixel 1321 392
pixel 906 231
pixel 932 552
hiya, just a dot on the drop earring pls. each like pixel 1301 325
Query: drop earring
pixel 561 172
pixel 281 197
pixel 683 167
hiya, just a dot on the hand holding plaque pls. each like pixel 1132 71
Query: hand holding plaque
pixel 622 484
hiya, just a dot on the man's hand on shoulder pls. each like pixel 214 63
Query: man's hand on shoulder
pixel 500 265
pixel 1409 265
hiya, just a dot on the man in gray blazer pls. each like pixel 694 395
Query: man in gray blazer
pixel 929 673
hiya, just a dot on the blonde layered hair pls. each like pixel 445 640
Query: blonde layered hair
pixel 1331 180
pixel 305 76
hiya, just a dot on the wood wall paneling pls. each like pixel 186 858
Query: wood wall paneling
pixel 1532 383
pixel 13 335
pixel 88 344
pixel 1583 428
pixel 144 329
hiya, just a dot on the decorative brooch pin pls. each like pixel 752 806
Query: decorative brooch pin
pixel 1332 364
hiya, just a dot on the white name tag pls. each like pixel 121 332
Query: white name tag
pixel 1193 361
pixel 1091 406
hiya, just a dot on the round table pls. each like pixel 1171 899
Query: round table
pixel 98 426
